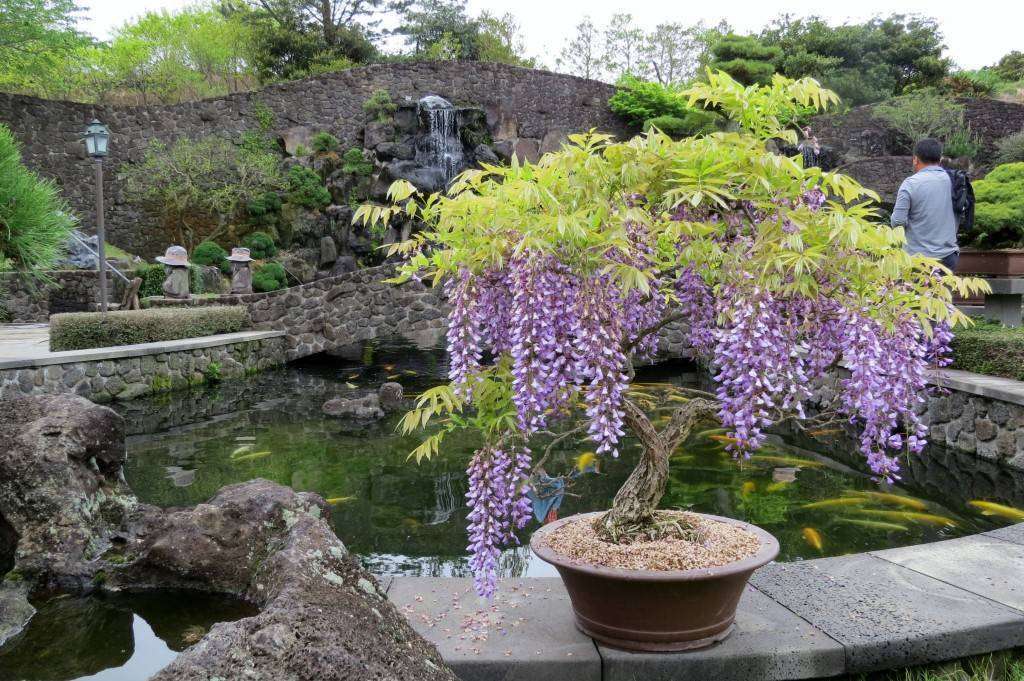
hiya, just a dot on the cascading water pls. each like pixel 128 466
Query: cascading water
pixel 440 147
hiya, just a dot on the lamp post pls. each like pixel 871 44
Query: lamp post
pixel 96 138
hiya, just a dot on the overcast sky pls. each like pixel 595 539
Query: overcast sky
pixel 977 32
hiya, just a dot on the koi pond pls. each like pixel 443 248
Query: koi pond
pixel 403 518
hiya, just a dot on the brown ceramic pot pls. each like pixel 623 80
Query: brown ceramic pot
pixel 655 610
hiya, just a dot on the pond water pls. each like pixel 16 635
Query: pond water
pixel 112 637
pixel 409 519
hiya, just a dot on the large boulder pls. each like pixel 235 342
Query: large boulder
pixel 76 525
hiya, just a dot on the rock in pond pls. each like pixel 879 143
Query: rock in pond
pixel 75 525
pixel 369 407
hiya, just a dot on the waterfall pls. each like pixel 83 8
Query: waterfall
pixel 440 148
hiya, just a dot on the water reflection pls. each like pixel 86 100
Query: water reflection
pixel 404 518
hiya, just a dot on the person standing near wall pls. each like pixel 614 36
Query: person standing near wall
pixel 924 207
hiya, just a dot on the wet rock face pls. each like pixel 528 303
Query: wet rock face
pixel 321 615
pixel 372 407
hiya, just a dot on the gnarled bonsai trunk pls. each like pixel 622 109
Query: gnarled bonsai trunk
pixel 634 504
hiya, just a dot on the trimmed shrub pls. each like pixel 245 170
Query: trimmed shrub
pixel 638 100
pixel 209 253
pixel 379 106
pixel 999 208
pixel 746 58
pixel 354 161
pixel 922 114
pixel 306 189
pixel 693 123
pixel 82 330
pixel 1010 149
pixel 153 276
pixel 269 277
pixel 324 142
pixel 990 348
pixel 261 245
pixel 961 143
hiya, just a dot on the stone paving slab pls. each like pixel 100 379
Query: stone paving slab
pixel 986 566
pixel 16 352
pixel 526 634
pixel 1013 533
pixel 768 644
pixel 887 615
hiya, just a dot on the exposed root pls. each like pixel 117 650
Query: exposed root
pixel 660 525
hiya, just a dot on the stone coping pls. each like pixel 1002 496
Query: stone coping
pixel 811 619
pixel 994 387
pixel 138 350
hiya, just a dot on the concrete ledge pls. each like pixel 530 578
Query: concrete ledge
pixel 811 619
pixel 139 350
pixel 994 387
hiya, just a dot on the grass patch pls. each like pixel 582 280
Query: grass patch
pixel 991 349
pixel 1002 666
pixel 81 330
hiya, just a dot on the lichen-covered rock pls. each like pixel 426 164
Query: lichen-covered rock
pixel 363 408
pixel 76 525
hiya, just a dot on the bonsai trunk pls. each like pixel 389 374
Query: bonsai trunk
pixel 634 505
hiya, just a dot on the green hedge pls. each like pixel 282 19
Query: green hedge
pixel 81 330
pixel 991 349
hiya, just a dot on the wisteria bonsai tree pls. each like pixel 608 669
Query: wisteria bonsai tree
pixel 561 273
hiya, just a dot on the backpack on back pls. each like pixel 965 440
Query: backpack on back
pixel 963 199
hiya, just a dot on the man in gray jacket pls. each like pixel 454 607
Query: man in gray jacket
pixel 924 207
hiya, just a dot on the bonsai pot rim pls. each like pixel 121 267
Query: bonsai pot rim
pixel 767 553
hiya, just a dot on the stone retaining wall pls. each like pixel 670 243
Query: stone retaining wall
pixel 28 300
pixel 965 412
pixel 521 104
pixel 153 368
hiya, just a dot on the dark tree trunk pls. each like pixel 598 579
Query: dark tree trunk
pixel 634 504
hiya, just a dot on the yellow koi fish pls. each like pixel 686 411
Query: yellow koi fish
pixel 748 487
pixel 585 460
pixel 338 500
pixel 874 524
pixel 723 438
pixel 777 486
pixel 991 508
pixel 915 516
pixel 351 376
pixel 351 386
pixel 786 460
pixel 894 499
pixel 832 503
pixel 394 376
pixel 241 450
pixel 711 431
pixel 251 457
pixel 813 537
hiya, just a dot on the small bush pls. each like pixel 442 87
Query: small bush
pixel 1010 149
pixel 306 189
pixel 269 277
pixel 961 143
pixel 324 142
pixel 967 84
pixel 693 123
pixel 638 100
pixel 999 208
pixel 82 330
pixel 354 161
pixel 922 114
pixel 153 276
pixel 260 244
pixel 379 106
pixel 990 348
pixel 209 253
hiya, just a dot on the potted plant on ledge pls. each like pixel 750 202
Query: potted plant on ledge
pixel 993 245
pixel 559 274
